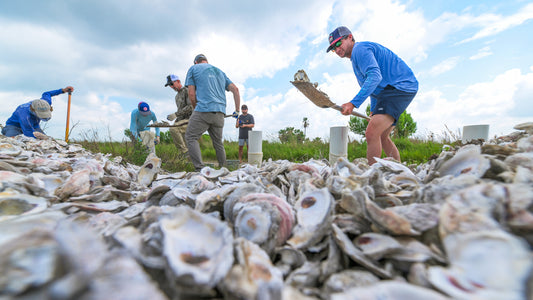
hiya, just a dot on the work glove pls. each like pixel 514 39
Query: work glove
pixel 40 135
pixel 171 117
pixel 235 114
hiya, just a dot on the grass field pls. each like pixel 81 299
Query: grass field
pixel 412 151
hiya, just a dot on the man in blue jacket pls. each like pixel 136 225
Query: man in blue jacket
pixel 26 118
pixel 386 79
pixel 140 117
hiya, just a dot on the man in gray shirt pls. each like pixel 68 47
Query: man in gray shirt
pixel 245 123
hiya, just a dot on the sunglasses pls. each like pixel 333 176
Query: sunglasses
pixel 337 44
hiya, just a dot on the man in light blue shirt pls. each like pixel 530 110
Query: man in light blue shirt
pixel 207 86
pixel 140 117
pixel 386 79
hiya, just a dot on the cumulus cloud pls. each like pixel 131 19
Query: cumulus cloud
pixel 502 102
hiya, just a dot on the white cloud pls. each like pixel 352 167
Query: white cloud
pixel 483 52
pixel 492 102
pixel 494 24
pixel 445 66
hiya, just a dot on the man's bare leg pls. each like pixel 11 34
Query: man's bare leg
pixel 376 127
pixel 240 154
pixel 388 145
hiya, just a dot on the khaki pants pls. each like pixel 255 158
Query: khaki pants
pixel 178 136
pixel 148 138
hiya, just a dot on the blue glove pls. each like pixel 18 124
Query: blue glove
pixel 235 115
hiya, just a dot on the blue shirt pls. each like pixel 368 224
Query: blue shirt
pixel 25 119
pixel 211 86
pixel 138 122
pixel 375 67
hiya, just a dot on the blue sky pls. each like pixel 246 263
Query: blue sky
pixel 473 59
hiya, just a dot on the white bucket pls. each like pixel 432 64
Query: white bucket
pixel 338 143
pixel 255 141
pixel 474 132
pixel 255 158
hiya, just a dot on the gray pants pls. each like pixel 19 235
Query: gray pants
pixel 199 122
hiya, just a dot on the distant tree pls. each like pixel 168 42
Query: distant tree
pixel 290 134
pixel 305 124
pixel 358 125
pixel 405 126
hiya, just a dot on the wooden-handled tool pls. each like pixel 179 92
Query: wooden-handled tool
pixel 319 98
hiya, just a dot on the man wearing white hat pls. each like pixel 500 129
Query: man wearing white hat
pixel 182 115
pixel 26 118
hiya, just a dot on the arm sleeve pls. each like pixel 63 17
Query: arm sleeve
pixel 48 95
pixel 252 120
pixel 133 125
pixel 366 62
pixel 373 78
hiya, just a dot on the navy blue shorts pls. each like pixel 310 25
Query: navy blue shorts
pixel 243 141
pixel 393 102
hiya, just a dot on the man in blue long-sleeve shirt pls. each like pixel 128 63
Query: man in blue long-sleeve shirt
pixel 140 117
pixel 386 79
pixel 26 118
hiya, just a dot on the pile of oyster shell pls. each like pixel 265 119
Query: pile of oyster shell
pixel 80 225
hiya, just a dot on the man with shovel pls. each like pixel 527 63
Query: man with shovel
pixel 26 118
pixel 182 115
pixel 386 79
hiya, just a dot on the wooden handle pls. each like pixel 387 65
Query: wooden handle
pixel 353 112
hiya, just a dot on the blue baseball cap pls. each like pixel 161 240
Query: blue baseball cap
pixel 144 109
pixel 336 35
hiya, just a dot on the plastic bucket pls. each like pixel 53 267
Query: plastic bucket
pixel 338 143
pixel 474 132
pixel 255 158
pixel 255 141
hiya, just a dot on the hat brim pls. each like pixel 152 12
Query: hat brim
pixel 43 114
pixel 333 43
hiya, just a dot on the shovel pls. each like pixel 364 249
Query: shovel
pixel 68 115
pixel 319 98
pixel 177 124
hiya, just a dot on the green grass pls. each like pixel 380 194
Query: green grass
pixel 412 151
